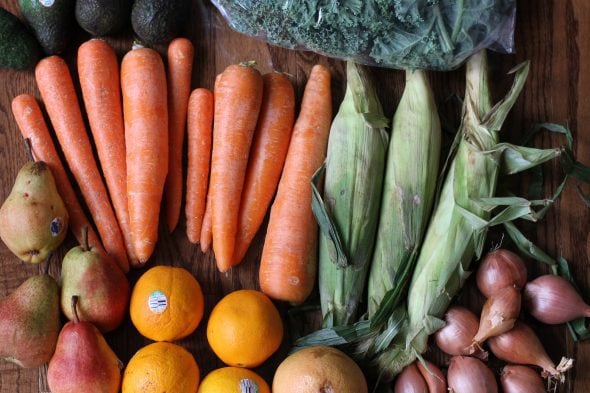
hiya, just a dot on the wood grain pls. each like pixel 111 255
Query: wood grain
pixel 553 34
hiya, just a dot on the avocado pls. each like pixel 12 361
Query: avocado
pixel 18 48
pixel 159 21
pixel 52 22
pixel 103 17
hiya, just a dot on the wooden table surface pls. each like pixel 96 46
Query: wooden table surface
pixel 554 35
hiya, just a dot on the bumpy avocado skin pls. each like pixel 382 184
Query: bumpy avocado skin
pixel 103 17
pixel 18 48
pixel 52 22
pixel 159 21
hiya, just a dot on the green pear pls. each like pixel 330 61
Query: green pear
pixel 99 282
pixel 33 219
pixel 29 322
pixel 83 360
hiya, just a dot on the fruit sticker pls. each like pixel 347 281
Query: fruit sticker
pixel 47 3
pixel 157 302
pixel 248 386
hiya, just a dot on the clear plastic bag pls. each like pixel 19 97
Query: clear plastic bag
pixel 403 34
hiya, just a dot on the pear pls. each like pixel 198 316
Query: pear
pixel 83 360
pixel 33 219
pixel 99 282
pixel 29 322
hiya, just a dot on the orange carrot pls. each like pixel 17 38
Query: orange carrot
pixel 206 230
pixel 267 156
pixel 145 109
pixel 289 257
pixel 57 90
pixel 98 69
pixel 200 123
pixel 238 96
pixel 180 66
pixel 32 125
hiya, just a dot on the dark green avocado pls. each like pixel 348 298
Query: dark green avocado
pixel 52 22
pixel 103 17
pixel 18 48
pixel 159 21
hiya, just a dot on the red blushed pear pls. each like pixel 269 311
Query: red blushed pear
pixel 29 322
pixel 83 361
pixel 100 284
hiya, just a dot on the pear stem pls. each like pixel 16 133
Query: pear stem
pixel 85 244
pixel 29 149
pixel 75 299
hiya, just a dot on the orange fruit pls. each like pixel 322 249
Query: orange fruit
pixel 319 369
pixel 244 328
pixel 166 303
pixel 161 367
pixel 233 380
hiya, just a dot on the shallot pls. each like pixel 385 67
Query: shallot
pixel 521 345
pixel 519 379
pixel 498 315
pixel 553 300
pixel 435 379
pixel 500 269
pixel 410 380
pixel 470 375
pixel 456 337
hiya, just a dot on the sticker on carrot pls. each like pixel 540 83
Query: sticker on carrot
pixel 267 156
pixel 57 90
pixel 32 126
pixel 145 114
pixel 238 96
pixel 98 69
pixel 200 123
pixel 289 256
pixel 180 66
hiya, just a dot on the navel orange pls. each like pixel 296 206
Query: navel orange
pixel 166 303
pixel 244 328
pixel 233 380
pixel 161 367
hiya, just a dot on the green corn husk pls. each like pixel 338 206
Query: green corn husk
pixel 410 185
pixel 457 230
pixel 352 192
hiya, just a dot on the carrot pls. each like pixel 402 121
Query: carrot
pixel 238 96
pixel 206 230
pixel 98 69
pixel 180 65
pixel 200 123
pixel 145 109
pixel 32 125
pixel 267 156
pixel 57 90
pixel 289 256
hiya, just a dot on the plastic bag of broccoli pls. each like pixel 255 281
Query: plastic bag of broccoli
pixel 403 34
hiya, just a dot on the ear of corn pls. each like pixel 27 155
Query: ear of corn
pixel 458 227
pixel 352 191
pixel 410 184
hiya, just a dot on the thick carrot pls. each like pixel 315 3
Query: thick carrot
pixel 32 125
pixel 289 257
pixel 238 96
pixel 57 90
pixel 206 228
pixel 180 66
pixel 200 123
pixel 145 109
pixel 98 69
pixel 267 156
